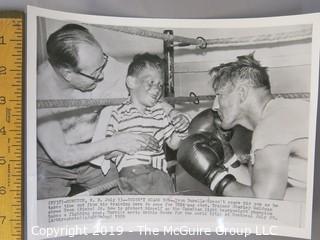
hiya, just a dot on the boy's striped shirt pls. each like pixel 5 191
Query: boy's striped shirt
pixel 154 122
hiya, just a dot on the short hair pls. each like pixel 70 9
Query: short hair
pixel 62 45
pixel 142 61
pixel 245 69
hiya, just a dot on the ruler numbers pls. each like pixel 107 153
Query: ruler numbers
pixel 11 44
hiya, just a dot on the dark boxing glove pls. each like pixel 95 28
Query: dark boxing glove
pixel 202 156
pixel 209 121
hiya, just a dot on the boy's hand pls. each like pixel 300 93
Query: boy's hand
pixel 179 121
pixel 131 143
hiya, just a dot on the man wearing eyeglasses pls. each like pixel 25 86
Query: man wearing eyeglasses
pixel 74 70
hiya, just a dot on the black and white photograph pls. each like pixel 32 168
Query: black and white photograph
pixel 177 110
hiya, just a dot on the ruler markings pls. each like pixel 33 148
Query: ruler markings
pixel 17 87
pixel 17 99
pixel 11 204
pixel 14 220
pixel 14 130
pixel 17 189
pixel 17 146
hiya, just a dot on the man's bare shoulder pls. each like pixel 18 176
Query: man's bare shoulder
pixel 43 71
pixel 45 81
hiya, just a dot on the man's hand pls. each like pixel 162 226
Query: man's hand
pixel 179 121
pixel 244 158
pixel 130 143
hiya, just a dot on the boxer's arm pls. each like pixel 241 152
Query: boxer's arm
pixel 269 175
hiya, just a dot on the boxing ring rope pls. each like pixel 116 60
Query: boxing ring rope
pixel 152 34
pixel 303 34
pixel 168 39
pixel 193 98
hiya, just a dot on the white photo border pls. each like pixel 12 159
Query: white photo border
pixel 34 12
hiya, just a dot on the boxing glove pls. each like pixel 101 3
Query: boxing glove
pixel 209 121
pixel 202 156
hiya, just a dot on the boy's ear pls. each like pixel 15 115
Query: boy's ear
pixel 131 82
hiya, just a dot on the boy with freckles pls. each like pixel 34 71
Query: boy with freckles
pixel 145 171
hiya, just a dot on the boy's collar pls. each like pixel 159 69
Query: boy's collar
pixel 146 109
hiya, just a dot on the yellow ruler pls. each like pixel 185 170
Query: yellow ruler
pixel 11 114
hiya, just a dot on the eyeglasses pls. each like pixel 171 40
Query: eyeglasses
pixel 98 71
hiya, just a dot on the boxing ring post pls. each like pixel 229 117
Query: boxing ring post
pixel 168 91
pixel 168 52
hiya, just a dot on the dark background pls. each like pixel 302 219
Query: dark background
pixel 189 9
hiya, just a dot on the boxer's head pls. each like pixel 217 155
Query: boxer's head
pixel 232 84
pixel 145 79
pixel 77 56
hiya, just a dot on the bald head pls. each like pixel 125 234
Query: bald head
pixel 63 45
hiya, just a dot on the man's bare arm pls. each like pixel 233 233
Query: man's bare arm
pixel 52 138
pixel 269 175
